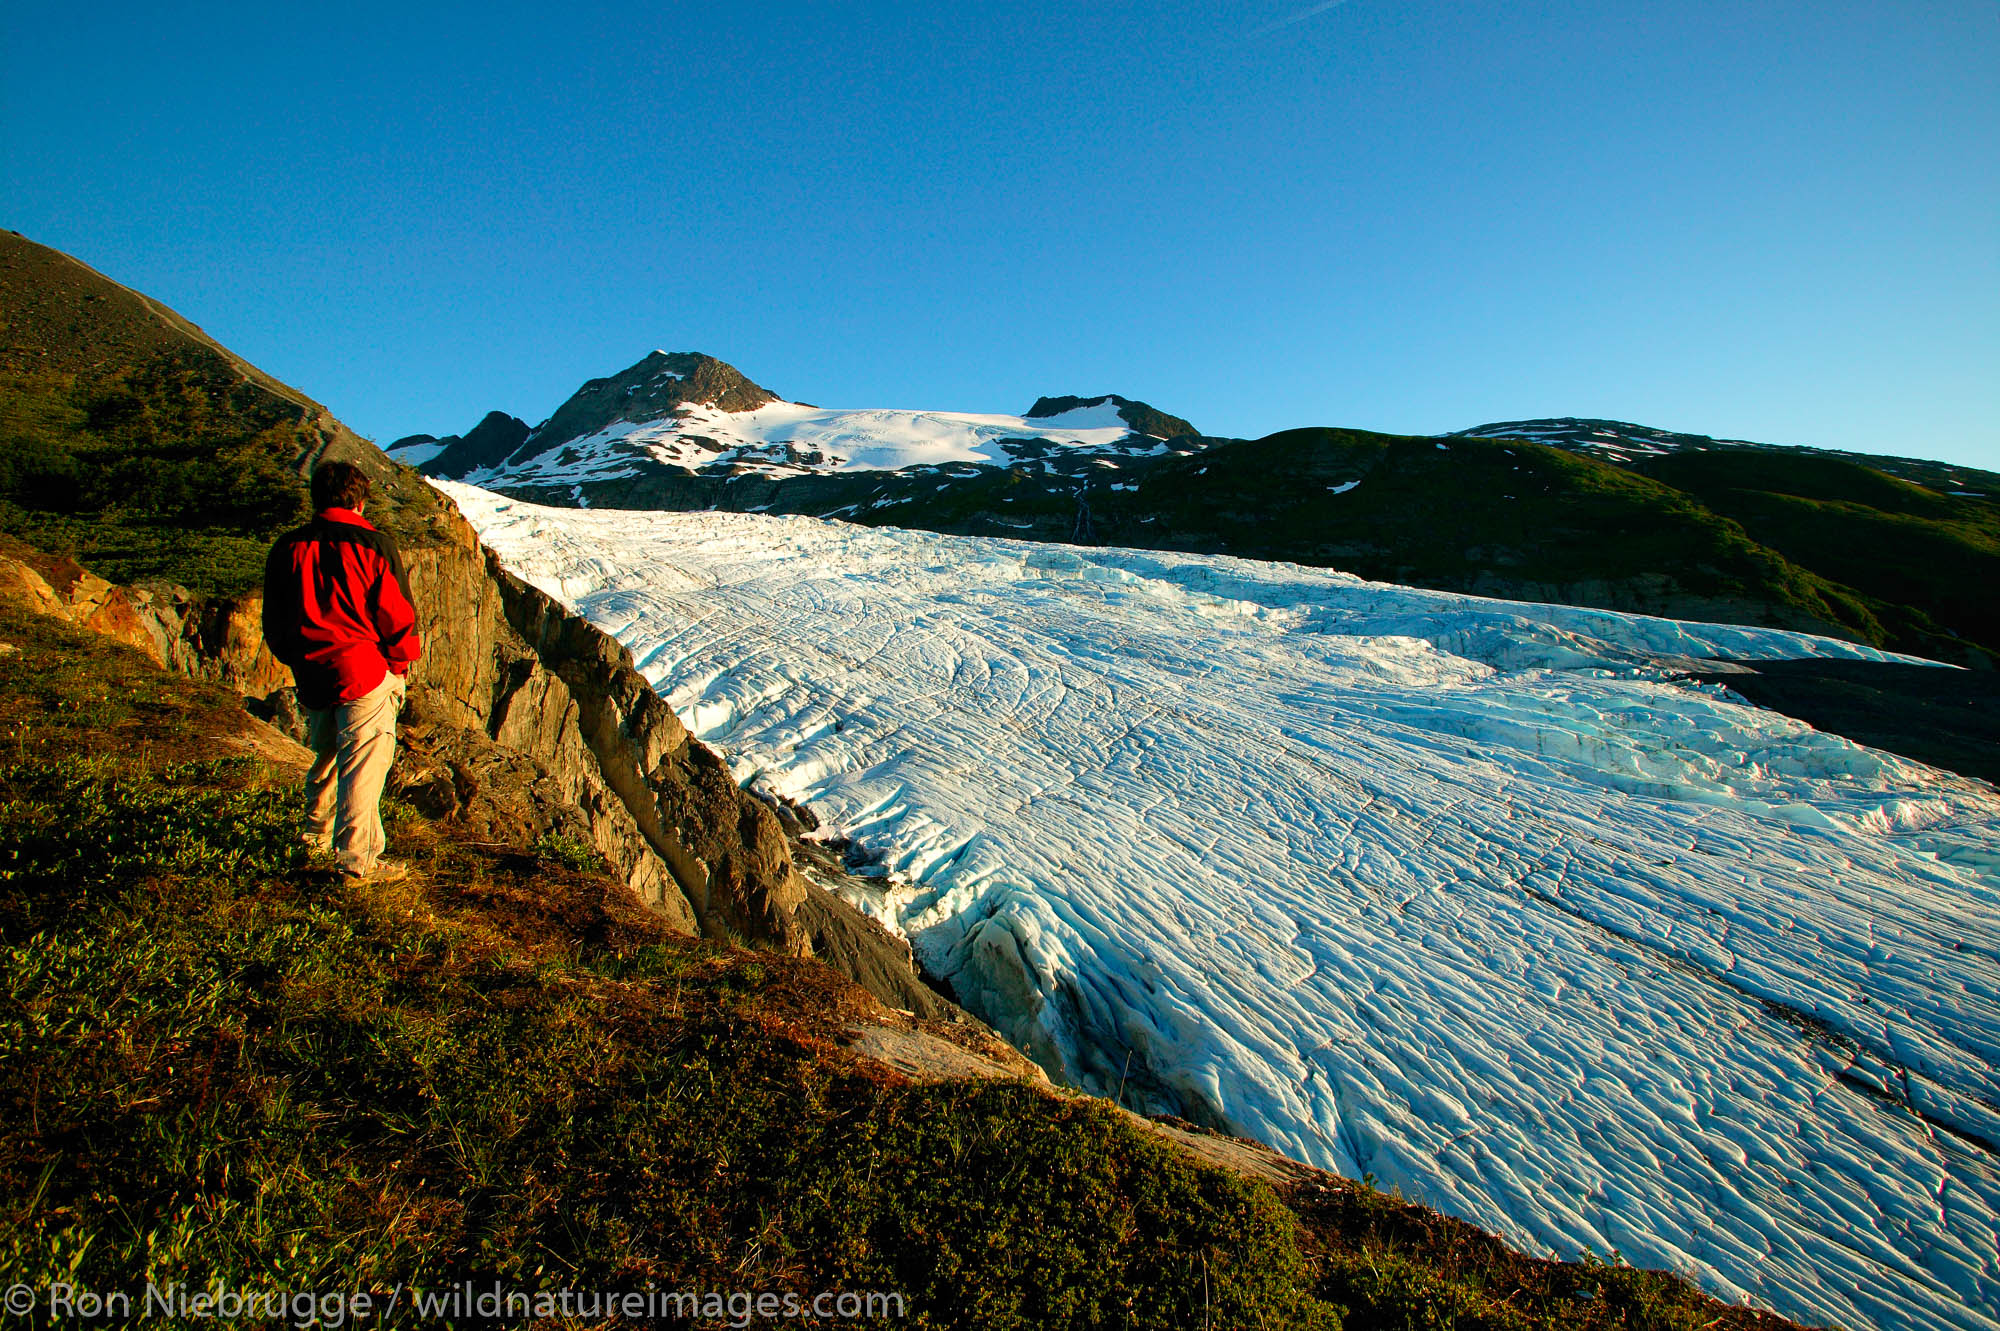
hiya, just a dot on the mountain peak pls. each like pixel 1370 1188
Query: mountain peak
pixel 486 443
pixel 1144 419
pixel 655 386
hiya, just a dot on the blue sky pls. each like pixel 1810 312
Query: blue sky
pixel 1778 221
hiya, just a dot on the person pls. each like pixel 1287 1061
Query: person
pixel 338 611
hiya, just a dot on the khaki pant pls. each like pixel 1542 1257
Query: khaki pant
pixel 353 745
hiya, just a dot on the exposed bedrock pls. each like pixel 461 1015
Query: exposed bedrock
pixel 725 851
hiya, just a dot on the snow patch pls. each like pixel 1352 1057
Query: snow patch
pixel 415 455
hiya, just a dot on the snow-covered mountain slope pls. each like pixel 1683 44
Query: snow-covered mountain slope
pixel 416 450
pixel 1468 895
pixel 783 439
pixel 695 414
pixel 496 435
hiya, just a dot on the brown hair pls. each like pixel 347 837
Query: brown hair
pixel 339 485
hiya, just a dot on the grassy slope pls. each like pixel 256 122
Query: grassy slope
pixel 1930 560
pixel 133 441
pixel 220 1063
pixel 1463 516
pixel 1477 515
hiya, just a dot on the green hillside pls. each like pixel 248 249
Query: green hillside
pixel 1504 519
pixel 134 442
pixel 1928 561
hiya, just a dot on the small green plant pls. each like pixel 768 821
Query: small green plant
pixel 76 830
pixel 568 851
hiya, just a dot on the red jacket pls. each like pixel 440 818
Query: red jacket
pixel 337 608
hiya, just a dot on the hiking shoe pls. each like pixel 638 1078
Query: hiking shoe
pixel 385 871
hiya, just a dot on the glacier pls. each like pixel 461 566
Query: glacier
pixel 1484 900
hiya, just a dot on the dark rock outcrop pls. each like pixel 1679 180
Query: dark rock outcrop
pixel 554 695
pixel 868 954
pixel 1144 419
pixel 486 443
pixel 492 794
pixel 727 852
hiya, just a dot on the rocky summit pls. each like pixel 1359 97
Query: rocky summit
pixel 1144 419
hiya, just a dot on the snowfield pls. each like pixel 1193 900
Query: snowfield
pixel 791 439
pixel 416 455
pixel 1472 896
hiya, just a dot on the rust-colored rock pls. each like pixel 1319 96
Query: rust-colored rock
pixel 64 588
pixel 22 585
pixel 216 638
